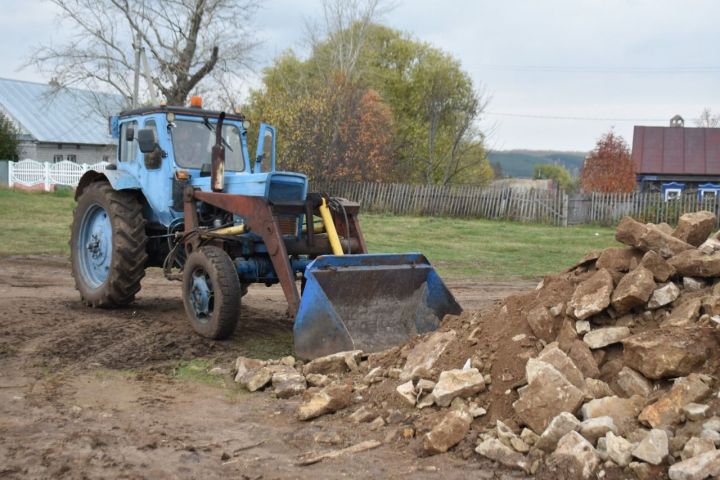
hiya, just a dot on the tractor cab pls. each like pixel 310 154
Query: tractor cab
pixel 163 149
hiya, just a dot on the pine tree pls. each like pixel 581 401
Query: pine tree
pixel 8 139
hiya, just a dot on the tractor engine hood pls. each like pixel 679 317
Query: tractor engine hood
pixel 277 187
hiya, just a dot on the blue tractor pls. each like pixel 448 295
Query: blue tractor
pixel 185 195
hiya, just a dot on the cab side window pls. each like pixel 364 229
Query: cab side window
pixel 151 125
pixel 128 142
pixel 153 160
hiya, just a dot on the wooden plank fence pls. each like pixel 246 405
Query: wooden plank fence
pixel 539 206
pixel 464 201
pixel 609 208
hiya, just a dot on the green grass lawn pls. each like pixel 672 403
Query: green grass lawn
pixel 38 223
pixel 35 222
pixel 483 248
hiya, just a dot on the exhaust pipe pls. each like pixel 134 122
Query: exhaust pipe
pixel 217 166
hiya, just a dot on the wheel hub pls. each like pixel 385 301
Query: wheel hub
pixel 95 245
pixel 200 294
pixel 97 248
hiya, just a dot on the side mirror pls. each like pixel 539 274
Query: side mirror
pixel 130 134
pixel 146 140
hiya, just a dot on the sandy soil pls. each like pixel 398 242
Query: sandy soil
pixel 90 393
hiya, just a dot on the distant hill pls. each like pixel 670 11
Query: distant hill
pixel 520 163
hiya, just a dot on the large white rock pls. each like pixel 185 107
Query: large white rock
pixel 448 433
pixel 407 392
pixel 697 446
pixel 602 337
pixel 495 450
pixel 557 358
pixel 287 383
pixel 594 428
pixel 244 364
pixel 632 383
pixel 622 410
pixel 703 466
pixel 339 362
pixel 330 399
pixel 663 296
pixel 695 411
pixel 592 296
pixel 618 449
pixel 259 378
pixel 558 427
pixel 457 383
pixel 693 284
pixel 580 453
pixel 653 448
pixel 425 354
pixel 547 395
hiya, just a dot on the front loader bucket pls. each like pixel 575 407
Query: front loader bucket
pixel 369 303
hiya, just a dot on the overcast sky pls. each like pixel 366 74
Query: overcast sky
pixel 559 72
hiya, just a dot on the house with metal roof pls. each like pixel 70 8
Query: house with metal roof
pixel 677 158
pixel 60 124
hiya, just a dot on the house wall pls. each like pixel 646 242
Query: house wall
pixel 46 152
pixel 523 184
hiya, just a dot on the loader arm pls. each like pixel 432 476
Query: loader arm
pixel 259 215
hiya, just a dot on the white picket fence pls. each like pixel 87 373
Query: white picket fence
pixel 30 173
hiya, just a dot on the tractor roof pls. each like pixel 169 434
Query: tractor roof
pixel 199 112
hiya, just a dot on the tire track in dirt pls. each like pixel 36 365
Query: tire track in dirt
pixel 85 392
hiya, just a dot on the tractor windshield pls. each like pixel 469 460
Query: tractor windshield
pixel 193 142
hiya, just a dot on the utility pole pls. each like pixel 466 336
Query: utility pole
pixel 136 84
pixel 148 78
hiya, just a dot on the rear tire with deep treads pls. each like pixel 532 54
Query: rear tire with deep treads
pixel 108 246
pixel 211 292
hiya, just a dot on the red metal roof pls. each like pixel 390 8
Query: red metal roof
pixel 676 150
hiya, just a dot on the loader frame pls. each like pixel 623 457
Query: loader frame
pixel 262 218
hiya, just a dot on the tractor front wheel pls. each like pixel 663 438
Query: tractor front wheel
pixel 107 246
pixel 211 292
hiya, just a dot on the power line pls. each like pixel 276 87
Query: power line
pixel 603 69
pixel 591 119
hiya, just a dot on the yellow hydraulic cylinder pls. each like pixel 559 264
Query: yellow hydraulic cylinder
pixel 330 229
pixel 317 228
pixel 234 230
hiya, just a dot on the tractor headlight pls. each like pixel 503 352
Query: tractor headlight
pixel 170 117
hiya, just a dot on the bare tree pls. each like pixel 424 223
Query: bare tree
pixel 707 119
pixel 190 44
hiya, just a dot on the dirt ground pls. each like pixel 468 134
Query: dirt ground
pixel 94 394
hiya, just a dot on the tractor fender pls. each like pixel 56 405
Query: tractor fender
pixel 118 179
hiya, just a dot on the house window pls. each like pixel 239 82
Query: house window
pixel 72 158
pixel 708 194
pixel 106 158
pixel 672 190
pixel 672 194
pixel 59 146
pixel 57 158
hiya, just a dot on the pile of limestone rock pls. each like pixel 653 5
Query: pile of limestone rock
pixel 620 374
